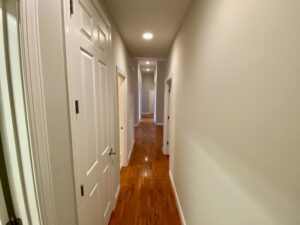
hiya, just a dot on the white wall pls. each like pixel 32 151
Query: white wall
pixel 57 110
pixel 161 77
pixel 122 59
pixel 147 85
pixel 235 142
pixel 134 88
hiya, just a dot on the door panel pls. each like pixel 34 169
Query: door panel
pixel 88 81
pixel 89 112
pixel 106 209
pixel 105 124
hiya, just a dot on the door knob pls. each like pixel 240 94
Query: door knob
pixel 111 152
pixel 121 128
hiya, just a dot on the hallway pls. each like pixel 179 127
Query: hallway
pixel 156 112
pixel 146 194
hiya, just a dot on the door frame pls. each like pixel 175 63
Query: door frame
pixel 3 208
pixel 120 72
pixel 33 163
pixel 34 90
pixel 167 112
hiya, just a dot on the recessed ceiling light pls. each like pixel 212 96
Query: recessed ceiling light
pixel 148 70
pixel 147 62
pixel 147 36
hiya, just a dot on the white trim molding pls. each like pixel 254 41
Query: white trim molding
pixel 120 72
pixel 167 112
pixel 130 153
pixel 117 193
pixel 181 215
pixel 34 92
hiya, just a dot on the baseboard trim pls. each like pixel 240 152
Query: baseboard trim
pixel 159 124
pixel 117 193
pixel 181 215
pixel 164 151
pixel 130 153
pixel 136 125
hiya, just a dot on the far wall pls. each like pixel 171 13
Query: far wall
pixel 147 84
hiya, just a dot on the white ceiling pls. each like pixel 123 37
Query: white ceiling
pixel 144 66
pixel 161 17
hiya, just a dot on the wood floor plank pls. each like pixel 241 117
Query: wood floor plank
pixel 146 196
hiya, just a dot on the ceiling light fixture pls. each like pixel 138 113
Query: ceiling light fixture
pixel 147 70
pixel 147 62
pixel 147 36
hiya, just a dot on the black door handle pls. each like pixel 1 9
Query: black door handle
pixel 111 152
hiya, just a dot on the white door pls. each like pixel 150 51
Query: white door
pixel 87 46
pixel 151 101
pixel 121 97
pixel 167 110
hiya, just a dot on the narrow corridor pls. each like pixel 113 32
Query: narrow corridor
pixel 146 194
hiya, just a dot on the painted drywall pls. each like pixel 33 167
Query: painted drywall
pixel 139 93
pixel 235 137
pixel 134 88
pixel 56 103
pixel 147 85
pixel 121 59
pixel 161 77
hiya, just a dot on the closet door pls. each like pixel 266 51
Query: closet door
pixel 87 51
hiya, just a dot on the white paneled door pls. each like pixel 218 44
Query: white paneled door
pixel 87 50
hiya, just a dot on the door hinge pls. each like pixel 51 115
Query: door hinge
pixel 169 90
pixel 71 7
pixel 168 117
pixel 82 190
pixel 14 221
pixel 77 107
pixel 167 143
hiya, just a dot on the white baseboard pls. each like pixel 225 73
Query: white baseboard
pixel 159 124
pixel 136 125
pixel 182 219
pixel 164 150
pixel 117 193
pixel 130 153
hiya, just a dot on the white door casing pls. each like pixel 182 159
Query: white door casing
pixel 3 210
pixel 122 119
pixel 167 114
pixel 87 55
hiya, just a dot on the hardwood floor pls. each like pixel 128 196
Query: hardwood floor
pixel 147 116
pixel 146 196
